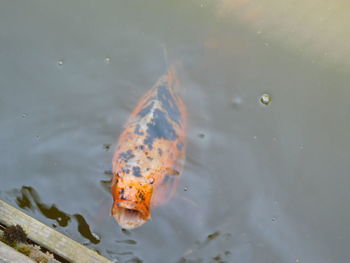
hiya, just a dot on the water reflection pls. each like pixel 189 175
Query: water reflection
pixel 28 198
pixel 297 24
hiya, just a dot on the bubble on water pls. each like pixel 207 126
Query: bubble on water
pixel 274 219
pixel 265 99
pixel 275 139
pixel 107 60
pixel 60 62
pixel 185 188
pixel 255 137
pixel 297 260
pixel 24 115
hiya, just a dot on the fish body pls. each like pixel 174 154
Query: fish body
pixel 150 153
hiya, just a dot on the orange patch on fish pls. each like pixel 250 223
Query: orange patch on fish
pixel 150 154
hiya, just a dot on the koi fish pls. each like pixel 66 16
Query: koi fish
pixel 150 154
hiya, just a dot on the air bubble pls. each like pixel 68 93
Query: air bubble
pixel 186 189
pixel 24 115
pixel 265 99
pixel 274 219
pixel 60 62
pixel 107 60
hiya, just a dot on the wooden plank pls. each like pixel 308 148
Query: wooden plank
pixel 10 255
pixel 48 237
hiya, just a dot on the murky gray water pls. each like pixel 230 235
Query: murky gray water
pixel 261 183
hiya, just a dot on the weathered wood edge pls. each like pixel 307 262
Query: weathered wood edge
pixel 48 237
pixel 10 255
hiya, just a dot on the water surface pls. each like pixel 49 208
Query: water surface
pixel 262 183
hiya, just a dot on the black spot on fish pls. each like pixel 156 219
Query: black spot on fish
pixel 139 147
pixel 137 130
pixel 179 146
pixel 146 110
pixel 141 196
pixel 126 155
pixel 169 103
pixel 126 170
pixel 121 191
pixel 137 171
pixel 159 128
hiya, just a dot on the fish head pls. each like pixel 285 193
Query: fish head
pixel 132 200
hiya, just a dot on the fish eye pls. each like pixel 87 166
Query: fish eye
pixel 151 180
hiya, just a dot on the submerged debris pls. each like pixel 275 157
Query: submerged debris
pixel 106 146
pixel 213 235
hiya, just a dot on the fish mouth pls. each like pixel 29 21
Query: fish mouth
pixel 128 215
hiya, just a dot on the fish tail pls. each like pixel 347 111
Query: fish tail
pixel 170 74
pixel 173 79
pixel 165 56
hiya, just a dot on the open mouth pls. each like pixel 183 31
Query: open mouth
pixel 128 217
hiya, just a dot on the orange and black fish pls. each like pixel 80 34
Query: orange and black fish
pixel 150 153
